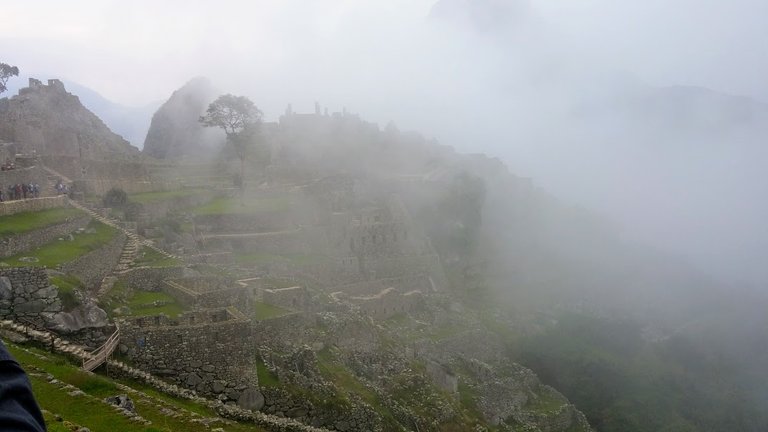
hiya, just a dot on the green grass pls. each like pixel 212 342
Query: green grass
pixel 468 399
pixel 63 251
pixel 262 311
pixel 546 403
pixel 150 197
pixel 67 285
pixel 115 297
pixel 266 377
pixel 29 221
pixel 220 206
pixel 141 304
pixel 96 415
pixel 152 258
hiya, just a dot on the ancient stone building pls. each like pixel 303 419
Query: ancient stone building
pixel 201 350
pixel 210 292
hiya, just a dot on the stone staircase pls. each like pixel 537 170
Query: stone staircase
pixel 130 251
pixel 49 189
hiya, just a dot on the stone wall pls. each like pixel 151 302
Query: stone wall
pixel 256 222
pixel 100 186
pixel 31 204
pixel 296 298
pixel 209 355
pixel 284 331
pixel 19 243
pixel 405 283
pixel 210 292
pixel 388 303
pixel 33 174
pixel 150 278
pixel 92 267
pixel 159 209
pixel 26 293
pixel 279 243
pixel 443 377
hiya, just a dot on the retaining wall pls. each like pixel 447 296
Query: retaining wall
pixel 92 267
pixel 26 293
pixel 210 357
pixel 31 204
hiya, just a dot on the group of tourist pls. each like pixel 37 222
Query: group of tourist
pixel 8 165
pixel 20 191
pixel 61 188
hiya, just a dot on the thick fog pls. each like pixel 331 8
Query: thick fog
pixel 626 108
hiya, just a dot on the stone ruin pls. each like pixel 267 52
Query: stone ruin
pixel 205 292
pixel 200 350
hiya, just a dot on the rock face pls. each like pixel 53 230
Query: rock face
pixel 175 130
pixel 84 316
pixel 50 121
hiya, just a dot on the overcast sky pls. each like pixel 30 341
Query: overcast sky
pixel 135 52
pixel 505 82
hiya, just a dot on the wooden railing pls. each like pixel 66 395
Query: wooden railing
pixel 102 353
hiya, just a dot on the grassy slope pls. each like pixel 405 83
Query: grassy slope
pixel 91 412
pixel 30 221
pixel 63 251
pixel 152 258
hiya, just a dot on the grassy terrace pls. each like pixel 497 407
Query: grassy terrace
pixel 152 258
pixel 262 311
pixel 221 206
pixel 150 197
pixel 144 303
pixel 89 411
pixel 63 251
pixel 30 221
pixel 141 303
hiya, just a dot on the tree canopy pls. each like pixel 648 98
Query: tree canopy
pixel 240 120
pixel 231 113
pixel 6 72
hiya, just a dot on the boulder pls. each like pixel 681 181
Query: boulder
pixel 83 316
pixel 251 399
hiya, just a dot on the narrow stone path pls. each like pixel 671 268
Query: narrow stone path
pixel 130 251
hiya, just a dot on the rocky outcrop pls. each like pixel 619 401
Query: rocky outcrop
pixel 84 316
pixel 175 130
pixel 50 121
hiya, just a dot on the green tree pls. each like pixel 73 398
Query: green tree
pixel 6 72
pixel 239 118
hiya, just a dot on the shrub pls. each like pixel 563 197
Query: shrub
pixel 116 197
